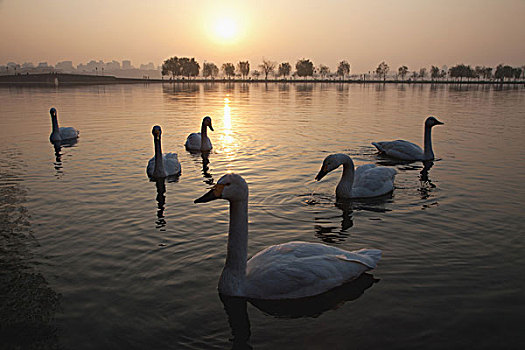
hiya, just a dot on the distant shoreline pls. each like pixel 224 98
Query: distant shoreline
pixel 57 79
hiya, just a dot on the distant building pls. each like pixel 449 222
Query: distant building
pixel 126 64
pixel 149 66
pixel 113 66
pixel 43 65
pixel 28 65
pixel 65 66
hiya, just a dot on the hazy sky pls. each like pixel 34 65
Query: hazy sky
pixel 417 33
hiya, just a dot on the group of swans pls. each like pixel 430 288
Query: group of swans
pixel 167 164
pixel 295 269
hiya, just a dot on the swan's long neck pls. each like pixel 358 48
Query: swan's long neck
pixel 158 171
pixel 55 133
pixel 344 188
pixel 429 154
pixel 234 273
pixel 204 135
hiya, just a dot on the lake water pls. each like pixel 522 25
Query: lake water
pixel 95 256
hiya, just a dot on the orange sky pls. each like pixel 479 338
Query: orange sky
pixel 416 33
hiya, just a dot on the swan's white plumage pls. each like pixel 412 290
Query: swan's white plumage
pixel 300 269
pixel 68 133
pixel 59 134
pixel 171 165
pixel 366 181
pixel 284 271
pixel 400 149
pixel 193 142
pixel 408 151
pixel 199 141
pixel 372 181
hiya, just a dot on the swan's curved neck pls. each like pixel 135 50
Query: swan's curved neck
pixel 428 153
pixel 158 171
pixel 344 188
pixel 55 133
pixel 54 121
pixel 234 273
pixel 204 135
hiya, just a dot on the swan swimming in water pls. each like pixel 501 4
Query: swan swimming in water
pixel 365 182
pixel 162 165
pixel 284 271
pixel 199 141
pixel 404 150
pixel 61 134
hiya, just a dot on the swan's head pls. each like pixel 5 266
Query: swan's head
pixel 156 131
pixel 332 162
pixel 432 121
pixel 207 122
pixel 231 187
pixel 53 112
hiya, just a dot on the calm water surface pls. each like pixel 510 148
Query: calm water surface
pixel 94 255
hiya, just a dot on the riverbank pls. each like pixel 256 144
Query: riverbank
pixel 56 79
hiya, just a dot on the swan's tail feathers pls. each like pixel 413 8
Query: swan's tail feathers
pixel 378 146
pixel 371 256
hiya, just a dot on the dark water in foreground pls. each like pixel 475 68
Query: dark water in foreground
pixel 94 255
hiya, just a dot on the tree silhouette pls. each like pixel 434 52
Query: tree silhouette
pixel 228 69
pixel 284 69
pixel 256 74
pixel 267 67
pixel 172 65
pixel 382 70
pixel 324 70
pixel 435 72
pixel 190 67
pixel 343 69
pixel 304 68
pixel 422 73
pixel 210 69
pixel 402 71
pixel 244 68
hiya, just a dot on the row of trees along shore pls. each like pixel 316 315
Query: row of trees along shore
pixel 177 67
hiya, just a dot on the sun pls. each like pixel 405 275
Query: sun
pixel 225 29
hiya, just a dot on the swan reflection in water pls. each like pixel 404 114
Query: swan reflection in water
pixel 161 201
pixel 329 233
pixel 57 146
pixel 426 185
pixel 160 185
pixel 203 158
pixel 238 318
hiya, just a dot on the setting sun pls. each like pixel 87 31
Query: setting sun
pixel 225 29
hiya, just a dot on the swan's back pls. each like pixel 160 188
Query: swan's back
pixel 400 149
pixel 300 269
pixel 193 142
pixel 68 133
pixel 171 165
pixel 372 181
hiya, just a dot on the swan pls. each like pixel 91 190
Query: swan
pixel 63 133
pixel 162 165
pixel 284 271
pixel 367 181
pixel 199 141
pixel 405 150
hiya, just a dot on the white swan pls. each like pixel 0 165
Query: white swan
pixel 367 181
pixel 405 150
pixel 284 271
pixel 162 165
pixel 199 141
pixel 61 134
